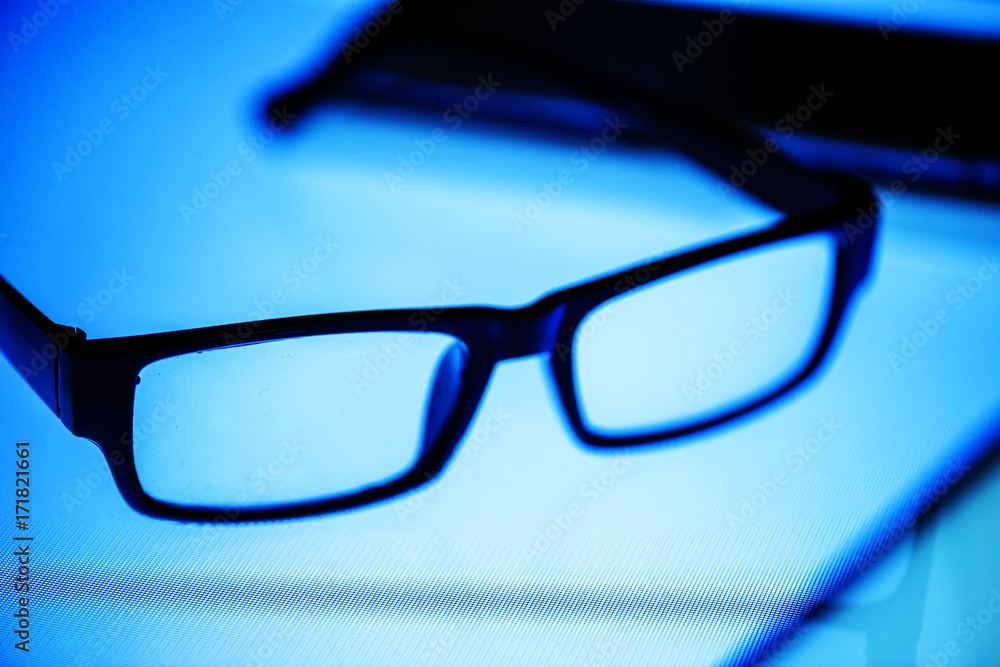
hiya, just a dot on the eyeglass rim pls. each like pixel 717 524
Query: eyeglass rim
pixel 97 377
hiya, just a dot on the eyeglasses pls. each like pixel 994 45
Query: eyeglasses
pixel 327 412
pixel 295 416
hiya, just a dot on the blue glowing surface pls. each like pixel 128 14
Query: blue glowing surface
pixel 979 19
pixel 660 562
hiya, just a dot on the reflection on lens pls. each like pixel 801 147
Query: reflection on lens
pixel 292 420
pixel 704 342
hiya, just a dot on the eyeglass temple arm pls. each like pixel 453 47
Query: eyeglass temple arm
pixel 33 343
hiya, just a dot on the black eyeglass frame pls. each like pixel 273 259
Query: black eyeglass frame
pixel 90 384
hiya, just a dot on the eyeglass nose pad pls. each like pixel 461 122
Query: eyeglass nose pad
pixel 445 393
